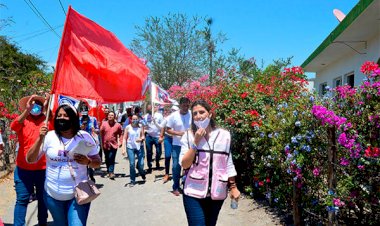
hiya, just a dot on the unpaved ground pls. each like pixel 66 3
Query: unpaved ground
pixel 145 204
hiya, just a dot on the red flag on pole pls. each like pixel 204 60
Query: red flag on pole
pixel 92 63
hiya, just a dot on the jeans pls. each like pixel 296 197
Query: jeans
pixel 201 212
pixel 149 142
pixel 132 160
pixel 67 212
pixel 176 170
pixel 25 181
pixel 110 156
pixel 168 145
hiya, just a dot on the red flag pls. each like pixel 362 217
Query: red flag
pixel 92 63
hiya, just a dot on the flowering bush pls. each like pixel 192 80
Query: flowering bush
pixel 282 135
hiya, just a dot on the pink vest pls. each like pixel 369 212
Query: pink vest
pixel 208 175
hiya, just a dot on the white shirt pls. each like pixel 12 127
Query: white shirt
pixel 1 139
pixel 220 142
pixel 133 134
pixel 153 128
pixel 180 123
pixel 59 184
pixel 119 116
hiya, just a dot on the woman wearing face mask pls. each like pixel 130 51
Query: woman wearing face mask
pixel 59 183
pixel 29 177
pixel 205 153
pixel 132 142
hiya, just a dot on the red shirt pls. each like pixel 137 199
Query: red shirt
pixel 110 134
pixel 27 133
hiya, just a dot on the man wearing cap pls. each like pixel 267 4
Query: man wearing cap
pixel 90 125
pixel 27 176
pixel 168 143
pixel 152 130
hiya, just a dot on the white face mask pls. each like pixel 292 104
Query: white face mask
pixel 202 123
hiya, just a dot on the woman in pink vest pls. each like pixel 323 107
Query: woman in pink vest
pixel 205 152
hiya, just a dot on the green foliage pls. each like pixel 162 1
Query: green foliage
pixel 21 74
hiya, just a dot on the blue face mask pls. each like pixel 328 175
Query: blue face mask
pixel 36 110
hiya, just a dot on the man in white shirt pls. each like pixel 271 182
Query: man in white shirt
pixel 152 133
pixel 119 115
pixel 177 124
pixel 1 144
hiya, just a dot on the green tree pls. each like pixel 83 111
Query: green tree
pixel 179 48
pixel 173 46
pixel 21 74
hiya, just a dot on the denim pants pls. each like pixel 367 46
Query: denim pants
pixel 67 212
pixel 110 156
pixel 25 181
pixel 201 212
pixel 168 145
pixel 149 142
pixel 140 162
pixel 176 169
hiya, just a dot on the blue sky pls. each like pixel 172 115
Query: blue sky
pixel 265 30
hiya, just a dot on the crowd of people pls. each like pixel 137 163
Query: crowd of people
pixel 48 165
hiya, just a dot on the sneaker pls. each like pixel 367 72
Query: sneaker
pixel 112 176
pixel 166 178
pixel 149 171
pixel 143 177
pixel 176 192
pixel 132 184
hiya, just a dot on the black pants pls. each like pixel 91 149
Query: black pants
pixel 110 156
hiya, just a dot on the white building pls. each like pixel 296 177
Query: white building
pixel 356 39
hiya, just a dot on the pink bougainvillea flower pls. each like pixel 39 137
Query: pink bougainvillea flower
pixel 316 172
pixel 338 202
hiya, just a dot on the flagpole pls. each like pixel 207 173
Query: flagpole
pixel 48 111
pixel 100 135
pixel 151 97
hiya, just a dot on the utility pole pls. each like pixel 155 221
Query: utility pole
pixel 210 46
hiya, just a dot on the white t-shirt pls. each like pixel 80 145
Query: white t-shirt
pixel 1 139
pixel 133 134
pixel 153 128
pixel 59 184
pixel 220 142
pixel 179 122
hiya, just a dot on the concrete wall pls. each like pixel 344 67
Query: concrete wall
pixel 347 65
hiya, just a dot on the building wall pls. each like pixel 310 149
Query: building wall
pixel 347 65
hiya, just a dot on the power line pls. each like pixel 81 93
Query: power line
pixel 62 7
pixel 37 32
pixel 39 15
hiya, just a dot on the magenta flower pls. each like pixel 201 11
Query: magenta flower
pixel 338 202
pixel 316 172
pixel 344 162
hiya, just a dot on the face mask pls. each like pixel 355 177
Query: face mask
pixel 36 110
pixel 63 124
pixel 135 122
pixel 202 123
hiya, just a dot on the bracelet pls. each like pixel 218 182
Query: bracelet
pixel 194 147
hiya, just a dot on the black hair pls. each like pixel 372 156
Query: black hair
pixel 73 118
pixel 184 100
pixel 204 104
